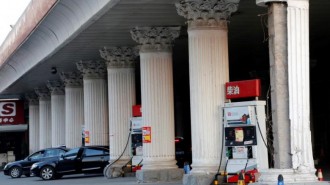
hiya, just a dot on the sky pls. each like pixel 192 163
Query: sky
pixel 10 11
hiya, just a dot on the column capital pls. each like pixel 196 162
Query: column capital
pixel 265 2
pixel 155 38
pixel 303 4
pixel 119 57
pixel 56 87
pixel 32 98
pixel 207 13
pixel 92 69
pixel 43 93
pixel 72 79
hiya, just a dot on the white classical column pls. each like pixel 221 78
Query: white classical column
pixel 56 87
pixel 157 98
pixel 45 127
pixel 95 102
pixel 298 80
pixel 121 95
pixel 208 73
pixel 33 122
pixel 74 108
pixel 289 28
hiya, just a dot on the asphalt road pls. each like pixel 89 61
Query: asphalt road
pixel 75 180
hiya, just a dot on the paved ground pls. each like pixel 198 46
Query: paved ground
pixel 75 180
pixel 93 180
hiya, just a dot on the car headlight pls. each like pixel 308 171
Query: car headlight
pixel 34 166
pixel 6 166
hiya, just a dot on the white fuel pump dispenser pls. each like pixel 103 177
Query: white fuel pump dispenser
pixel 245 142
pixel 136 141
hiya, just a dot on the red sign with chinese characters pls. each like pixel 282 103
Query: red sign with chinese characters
pixel 243 89
pixel 136 109
pixel 11 112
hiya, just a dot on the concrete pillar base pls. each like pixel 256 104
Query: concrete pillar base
pixel 289 175
pixel 116 169
pixel 161 175
pixel 198 179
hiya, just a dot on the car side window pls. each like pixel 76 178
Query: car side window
pixel 94 152
pixel 72 152
pixel 53 152
pixel 37 155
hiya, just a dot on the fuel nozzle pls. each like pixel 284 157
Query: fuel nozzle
pixel 241 180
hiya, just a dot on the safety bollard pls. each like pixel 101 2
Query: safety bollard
pixel 319 175
pixel 280 180
pixel 186 168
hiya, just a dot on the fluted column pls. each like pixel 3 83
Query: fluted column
pixel 209 71
pixel 288 24
pixel 121 95
pixel 298 69
pixel 95 101
pixel 45 127
pixel 56 88
pixel 74 108
pixel 157 94
pixel 33 122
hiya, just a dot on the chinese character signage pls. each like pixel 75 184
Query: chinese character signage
pixel 11 112
pixel 243 89
pixel 146 133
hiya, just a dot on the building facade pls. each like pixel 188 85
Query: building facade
pixel 87 63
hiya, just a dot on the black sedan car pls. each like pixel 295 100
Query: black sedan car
pixel 22 167
pixel 85 159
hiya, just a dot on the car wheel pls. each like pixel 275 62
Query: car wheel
pixel 47 173
pixel 15 172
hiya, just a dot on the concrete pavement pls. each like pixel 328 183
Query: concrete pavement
pixel 99 179
pixel 76 180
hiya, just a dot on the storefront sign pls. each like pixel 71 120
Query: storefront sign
pixel 146 134
pixel 11 112
pixel 243 89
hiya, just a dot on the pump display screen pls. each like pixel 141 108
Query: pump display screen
pixel 240 136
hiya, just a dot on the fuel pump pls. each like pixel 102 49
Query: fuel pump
pixel 136 141
pixel 136 138
pixel 244 129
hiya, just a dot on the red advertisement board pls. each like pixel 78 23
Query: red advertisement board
pixel 146 133
pixel 86 136
pixel 11 112
pixel 243 89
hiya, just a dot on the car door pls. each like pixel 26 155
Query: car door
pixel 33 158
pixel 94 159
pixel 69 163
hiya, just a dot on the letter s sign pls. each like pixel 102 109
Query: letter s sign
pixel 7 109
